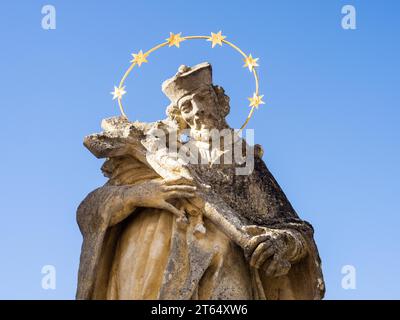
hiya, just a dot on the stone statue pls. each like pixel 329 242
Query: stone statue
pixel 165 228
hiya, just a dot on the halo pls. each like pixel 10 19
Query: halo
pixel 175 40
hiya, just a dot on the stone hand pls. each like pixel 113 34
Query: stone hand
pixel 268 250
pixel 156 193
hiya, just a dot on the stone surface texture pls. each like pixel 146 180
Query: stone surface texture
pixel 164 229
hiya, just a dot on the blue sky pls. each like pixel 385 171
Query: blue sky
pixel 330 127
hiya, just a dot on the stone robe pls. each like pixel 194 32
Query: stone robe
pixel 149 256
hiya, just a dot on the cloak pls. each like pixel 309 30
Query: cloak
pixel 257 199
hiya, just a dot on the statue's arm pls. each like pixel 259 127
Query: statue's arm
pixel 104 207
pixel 109 205
pixel 275 227
pixel 284 241
pixel 247 234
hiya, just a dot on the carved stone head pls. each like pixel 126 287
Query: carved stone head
pixel 195 102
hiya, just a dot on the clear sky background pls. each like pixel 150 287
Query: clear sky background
pixel 330 127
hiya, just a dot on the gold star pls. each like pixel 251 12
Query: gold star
pixel 256 100
pixel 118 92
pixel 250 62
pixel 174 39
pixel 216 38
pixel 139 58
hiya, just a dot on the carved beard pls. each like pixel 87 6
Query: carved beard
pixel 217 146
pixel 200 135
pixel 204 135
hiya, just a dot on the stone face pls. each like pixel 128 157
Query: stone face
pixel 163 227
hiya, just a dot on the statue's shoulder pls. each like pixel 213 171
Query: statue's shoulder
pixel 266 191
pixel 258 151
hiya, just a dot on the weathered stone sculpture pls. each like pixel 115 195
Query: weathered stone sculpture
pixel 163 228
